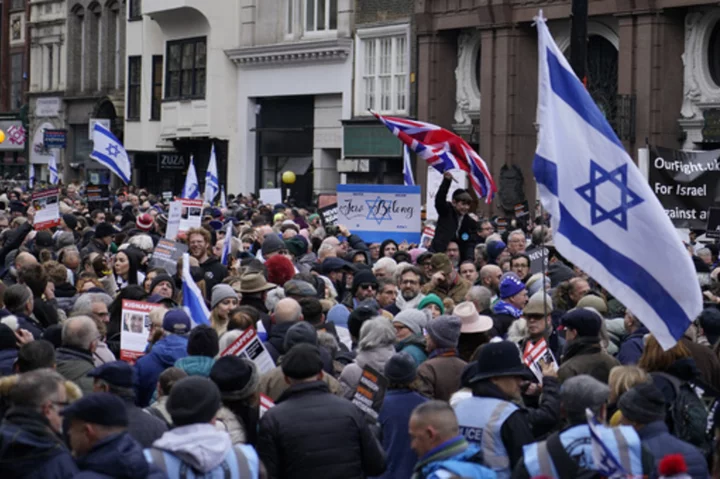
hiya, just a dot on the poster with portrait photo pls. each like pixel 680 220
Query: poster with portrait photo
pixel 135 329
pixel 46 208
pixel 190 214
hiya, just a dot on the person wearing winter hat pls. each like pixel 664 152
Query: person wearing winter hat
pixel 443 368
pixel 475 330
pixel 202 347
pixel 238 379
pixel 195 443
pixel 433 304
pixel 163 285
pixel 494 250
pixel 643 407
pixel 279 268
pixel 144 222
pixel 401 398
pixel 445 281
pixel 173 346
pixel 583 352
pixel 304 424
pixel 223 299
pixel 272 245
pixel 409 338
pixel 69 222
pixel 513 298
pixel 569 452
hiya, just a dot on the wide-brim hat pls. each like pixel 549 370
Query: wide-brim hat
pixel 501 359
pixel 255 283
pixel 472 321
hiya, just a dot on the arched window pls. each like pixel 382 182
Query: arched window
pixel 713 53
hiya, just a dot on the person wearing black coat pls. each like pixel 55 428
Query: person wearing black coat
pixel 454 222
pixel 312 433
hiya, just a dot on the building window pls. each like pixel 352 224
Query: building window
pixel 134 9
pixel 320 15
pixel 714 54
pixel 17 5
pixel 16 81
pixel 383 65
pixel 157 68
pixel 134 86
pixel 290 19
pixel 50 66
pixel 186 69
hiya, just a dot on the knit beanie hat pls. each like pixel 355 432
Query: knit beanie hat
pixel 297 246
pixel 401 368
pixel 271 244
pixel 70 220
pixel 237 378
pixel 362 277
pixel 441 262
pixel 643 403
pixel 303 361
pixel 494 248
pixel 193 400
pixel 445 331
pixel 432 298
pixel 510 286
pixel 298 333
pixel 221 292
pixel 413 319
pixel 280 269
pixel 203 341
pixel 144 222
pixel 163 277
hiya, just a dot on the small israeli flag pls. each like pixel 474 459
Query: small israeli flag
pixel 52 166
pixel 223 200
pixel 211 178
pixel 108 151
pixel 227 244
pixel 605 217
pixel 191 190
pixel 407 168
pixel 31 177
pixel 193 302
pixel 604 460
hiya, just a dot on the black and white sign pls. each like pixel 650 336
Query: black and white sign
pixel 687 183
pixel 713 223
pixel 171 161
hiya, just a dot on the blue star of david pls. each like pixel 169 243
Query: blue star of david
pixel 373 213
pixel 113 150
pixel 628 198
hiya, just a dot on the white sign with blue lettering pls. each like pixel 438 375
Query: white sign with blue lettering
pixel 380 212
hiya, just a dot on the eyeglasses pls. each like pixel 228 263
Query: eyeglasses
pixel 368 286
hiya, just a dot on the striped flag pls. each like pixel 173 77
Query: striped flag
pixel 31 177
pixel 193 301
pixel 223 200
pixel 443 150
pixel 54 175
pixel 191 190
pixel 227 243
pixel 211 178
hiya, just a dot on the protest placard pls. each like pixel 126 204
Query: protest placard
pixel 174 216
pixel 536 355
pixel 98 197
pixel 166 255
pixel 270 196
pixel 265 404
pixel 135 329
pixel 249 346
pixel 370 392
pixel 329 215
pixel 380 212
pixel 428 234
pixel 190 214
pixel 46 207
pixel 434 179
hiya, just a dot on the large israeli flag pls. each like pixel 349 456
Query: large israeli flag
pixel 211 178
pixel 605 217
pixel 108 151
pixel 31 177
pixel 193 302
pixel 191 190
pixel 54 174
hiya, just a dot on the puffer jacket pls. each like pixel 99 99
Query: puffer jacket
pixel 312 433
pixel 375 358
pixel 196 365
pixel 118 455
pixel 149 367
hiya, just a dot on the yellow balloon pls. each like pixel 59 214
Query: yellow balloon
pixel 288 177
pixel 2 136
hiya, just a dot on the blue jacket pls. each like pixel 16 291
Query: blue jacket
pixel 414 345
pixel 658 440
pixel 394 418
pixel 456 457
pixel 118 455
pixel 7 361
pixel 632 348
pixel 149 367
pixel 195 365
pixel 29 449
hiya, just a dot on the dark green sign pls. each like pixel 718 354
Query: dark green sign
pixel 370 141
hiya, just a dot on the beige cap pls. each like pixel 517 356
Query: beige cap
pixel 539 303
pixel 593 301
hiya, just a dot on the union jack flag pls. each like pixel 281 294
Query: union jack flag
pixel 443 150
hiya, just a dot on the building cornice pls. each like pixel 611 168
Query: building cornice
pixel 333 50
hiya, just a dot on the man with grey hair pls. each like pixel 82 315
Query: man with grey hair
pixel 516 242
pixel 287 312
pixel 95 305
pixel 481 297
pixel 705 255
pixel 75 358
pixel 568 453
pixel 30 436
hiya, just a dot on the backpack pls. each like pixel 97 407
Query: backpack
pixel 687 416
pixel 565 465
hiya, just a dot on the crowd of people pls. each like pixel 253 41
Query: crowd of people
pixel 491 355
